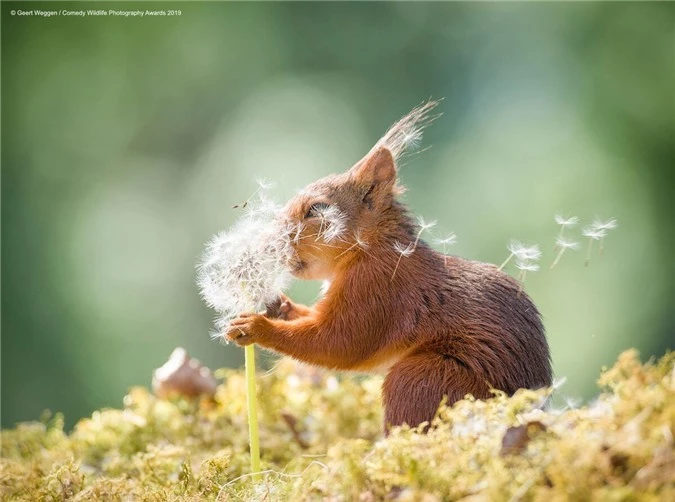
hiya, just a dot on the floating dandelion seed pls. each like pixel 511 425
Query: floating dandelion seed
pixel 565 223
pixel 563 245
pixel 359 242
pixel 525 266
pixel 333 223
pixel 450 240
pixel 263 184
pixel 593 234
pixel 403 250
pixel 610 224
pixel 411 140
pixel 424 225
pixel 521 252
pixel 406 250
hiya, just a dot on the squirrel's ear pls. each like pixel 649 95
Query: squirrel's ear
pixel 375 168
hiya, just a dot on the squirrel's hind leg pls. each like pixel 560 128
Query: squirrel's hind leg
pixel 414 387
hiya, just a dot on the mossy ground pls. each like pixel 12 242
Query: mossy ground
pixel 321 440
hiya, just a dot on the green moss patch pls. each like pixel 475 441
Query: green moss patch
pixel 321 439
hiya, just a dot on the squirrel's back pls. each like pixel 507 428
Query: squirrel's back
pixel 466 310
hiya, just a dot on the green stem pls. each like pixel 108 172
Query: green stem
pixel 249 357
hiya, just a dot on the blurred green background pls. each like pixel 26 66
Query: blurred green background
pixel 125 142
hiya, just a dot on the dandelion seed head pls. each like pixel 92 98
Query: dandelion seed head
pixel 609 224
pixel 594 233
pixel 563 243
pixel 566 222
pixel 245 268
pixel 403 249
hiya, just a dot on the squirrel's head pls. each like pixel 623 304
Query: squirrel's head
pixel 341 216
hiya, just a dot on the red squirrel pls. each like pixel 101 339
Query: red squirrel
pixel 437 325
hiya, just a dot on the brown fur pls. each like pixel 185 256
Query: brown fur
pixel 441 326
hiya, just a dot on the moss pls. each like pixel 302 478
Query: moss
pixel 321 439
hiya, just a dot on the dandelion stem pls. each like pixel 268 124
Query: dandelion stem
pixel 506 262
pixel 249 355
pixel 600 246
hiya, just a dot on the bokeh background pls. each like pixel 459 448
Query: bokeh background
pixel 126 141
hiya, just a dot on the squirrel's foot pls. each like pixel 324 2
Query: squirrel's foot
pixel 247 328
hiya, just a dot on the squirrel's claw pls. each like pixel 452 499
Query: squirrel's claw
pixel 244 329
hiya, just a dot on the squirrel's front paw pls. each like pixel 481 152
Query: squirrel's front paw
pixel 283 308
pixel 246 329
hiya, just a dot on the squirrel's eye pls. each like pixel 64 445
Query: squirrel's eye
pixel 316 209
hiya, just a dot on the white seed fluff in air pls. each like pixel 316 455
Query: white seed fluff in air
pixel 527 266
pixel 450 240
pixel 566 222
pixel 610 224
pixel 523 252
pixel 563 243
pixel 245 268
pixel 594 233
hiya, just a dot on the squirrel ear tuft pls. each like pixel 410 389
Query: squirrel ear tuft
pixel 376 167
